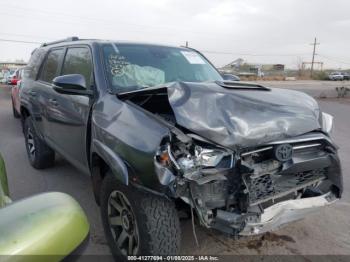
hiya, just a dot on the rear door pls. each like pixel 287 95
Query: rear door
pixel 68 122
pixel 42 91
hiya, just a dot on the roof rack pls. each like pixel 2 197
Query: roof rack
pixel 69 39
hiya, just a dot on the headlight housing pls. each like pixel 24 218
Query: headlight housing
pixel 209 157
pixel 203 157
pixel 327 122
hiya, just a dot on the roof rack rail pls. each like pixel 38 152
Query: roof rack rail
pixel 68 39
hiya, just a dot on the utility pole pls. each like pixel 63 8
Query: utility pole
pixel 313 56
pixel 186 43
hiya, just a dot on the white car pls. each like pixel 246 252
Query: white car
pixel 336 76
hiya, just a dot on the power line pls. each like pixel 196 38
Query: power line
pixel 204 51
pixel 60 14
pixel 247 54
pixel 31 36
pixel 110 26
pixel 19 41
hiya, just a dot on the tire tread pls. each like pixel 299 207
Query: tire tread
pixel 45 156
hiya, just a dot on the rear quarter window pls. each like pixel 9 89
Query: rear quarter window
pixel 35 61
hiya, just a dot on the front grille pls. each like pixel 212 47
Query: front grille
pixel 272 186
pixel 268 178
pixel 260 188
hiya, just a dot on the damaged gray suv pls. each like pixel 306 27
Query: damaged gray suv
pixel 159 130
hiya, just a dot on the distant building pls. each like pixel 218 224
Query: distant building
pixel 243 68
pixel 272 67
pixel 11 65
pixel 8 68
pixel 233 67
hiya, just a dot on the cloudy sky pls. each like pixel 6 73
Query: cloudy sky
pixel 262 31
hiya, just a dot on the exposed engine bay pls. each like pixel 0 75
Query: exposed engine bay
pixel 243 190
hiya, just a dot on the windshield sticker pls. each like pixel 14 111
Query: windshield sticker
pixel 193 57
pixel 117 63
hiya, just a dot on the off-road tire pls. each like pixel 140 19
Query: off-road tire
pixel 14 111
pixel 43 156
pixel 155 216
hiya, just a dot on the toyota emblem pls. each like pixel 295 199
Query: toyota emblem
pixel 284 152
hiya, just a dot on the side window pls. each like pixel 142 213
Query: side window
pixel 51 65
pixel 32 69
pixel 78 61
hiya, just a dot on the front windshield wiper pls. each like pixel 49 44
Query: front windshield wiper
pixel 241 85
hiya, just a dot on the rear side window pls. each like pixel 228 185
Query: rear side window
pixel 78 61
pixel 51 65
pixel 32 69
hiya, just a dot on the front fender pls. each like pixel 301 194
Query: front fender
pixel 116 164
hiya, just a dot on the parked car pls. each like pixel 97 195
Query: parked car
pixel 230 77
pixel 13 78
pixel 335 76
pixel 45 227
pixel 15 95
pixel 4 76
pixel 158 129
pixel 346 76
pixel 7 76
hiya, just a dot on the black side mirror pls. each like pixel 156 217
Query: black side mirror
pixel 73 84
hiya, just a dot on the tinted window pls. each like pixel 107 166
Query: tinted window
pixel 78 61
pixel 35 61
pixel 51 66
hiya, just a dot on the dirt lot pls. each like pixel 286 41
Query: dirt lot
pixel 319 89
pixel 324 232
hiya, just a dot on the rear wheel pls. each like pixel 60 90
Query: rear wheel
pixel 39 153
pixel 138 223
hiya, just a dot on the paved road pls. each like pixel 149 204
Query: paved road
pixel 325 232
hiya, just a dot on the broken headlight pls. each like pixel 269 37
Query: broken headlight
pixel 204 158
pixel 327 122
pixel 190 158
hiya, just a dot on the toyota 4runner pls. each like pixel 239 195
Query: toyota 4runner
pixel 158 130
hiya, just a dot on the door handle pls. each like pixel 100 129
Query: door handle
pixel 53 102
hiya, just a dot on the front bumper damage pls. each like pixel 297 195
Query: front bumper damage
pixel 287 211
pixel 220 157
pixel 258 193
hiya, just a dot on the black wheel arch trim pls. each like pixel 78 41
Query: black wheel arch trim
pixel 115 163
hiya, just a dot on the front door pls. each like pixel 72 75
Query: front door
pixel 68 125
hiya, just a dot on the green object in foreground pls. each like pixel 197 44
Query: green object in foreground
pixel 4 189
pixel 44 227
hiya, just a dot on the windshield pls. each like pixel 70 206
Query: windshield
pixel 136 66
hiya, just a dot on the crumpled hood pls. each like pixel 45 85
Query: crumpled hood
pixel 239 118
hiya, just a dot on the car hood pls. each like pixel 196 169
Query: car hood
pixel 239 115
